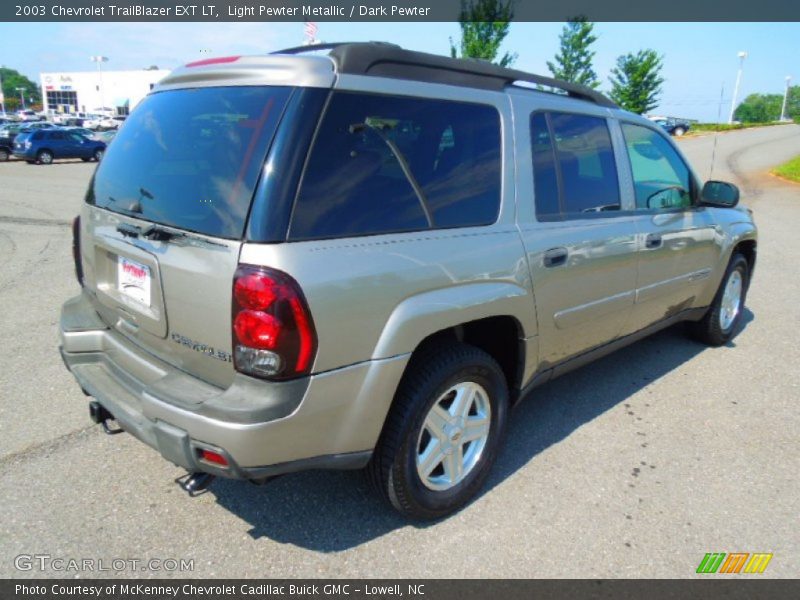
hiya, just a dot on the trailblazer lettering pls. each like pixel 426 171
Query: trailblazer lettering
pixel 200 347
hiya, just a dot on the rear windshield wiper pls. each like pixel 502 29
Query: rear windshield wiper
pixel 159 234
pixel 153 232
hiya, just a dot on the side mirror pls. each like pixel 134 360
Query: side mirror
pixel 720 193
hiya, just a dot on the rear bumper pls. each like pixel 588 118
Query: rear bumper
pixel 328 420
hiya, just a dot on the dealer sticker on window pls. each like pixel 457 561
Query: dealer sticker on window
pixel 133 280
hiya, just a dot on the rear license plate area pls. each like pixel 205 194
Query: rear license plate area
pixel 134 280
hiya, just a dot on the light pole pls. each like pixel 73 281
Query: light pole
pixel 100 60
pixel 742 56
pixel 785 97
pixel 2 97
pixel 21 96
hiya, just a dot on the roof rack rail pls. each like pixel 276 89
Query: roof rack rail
pixel 382 59
pixel 325 46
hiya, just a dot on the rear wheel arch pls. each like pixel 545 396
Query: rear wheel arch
pixel 500 336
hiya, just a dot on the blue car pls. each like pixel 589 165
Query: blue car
pixel 46 145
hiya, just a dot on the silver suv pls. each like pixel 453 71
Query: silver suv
pixel 365 258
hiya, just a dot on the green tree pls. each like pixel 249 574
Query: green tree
pixel 573 62
pixel 762 108
pixel 11 81
pixel 793 103
pixel 636 81
pixel 759 108
pixel 484 26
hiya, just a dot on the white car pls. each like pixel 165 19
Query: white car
pixel 110 123
pixel 93 121
pixel 28 115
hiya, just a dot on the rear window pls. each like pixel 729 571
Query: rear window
pixel 191 158
pixel 385 164
pixel 575 174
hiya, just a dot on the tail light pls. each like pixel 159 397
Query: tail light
pixel 76 248
pixel 273 333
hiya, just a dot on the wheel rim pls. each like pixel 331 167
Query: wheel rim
pixel 98 155
pixel 453 436
pixel 731 300
pixel 46 158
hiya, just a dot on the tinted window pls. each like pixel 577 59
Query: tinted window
pixel 384 164
pixel 191 158
pixel 586 159
pixel 661 179
pixel 573 166
pixel 545 180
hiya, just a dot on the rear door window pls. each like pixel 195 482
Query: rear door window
pixel 191 158
pixel 384 164
pixel 575 173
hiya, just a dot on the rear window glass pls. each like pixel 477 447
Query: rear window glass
pixel 383 164
pixel 191 158
pixel 575 149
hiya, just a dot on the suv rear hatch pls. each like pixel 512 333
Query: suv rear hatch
pixel 167 210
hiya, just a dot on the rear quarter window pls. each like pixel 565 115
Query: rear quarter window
pixel 385 164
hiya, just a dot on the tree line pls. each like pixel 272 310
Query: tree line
pixel 12 81
pixel 635 81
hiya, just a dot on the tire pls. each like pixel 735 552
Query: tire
pixel 45 157
pixel 98 155
pixel 678 131
pixel 719 326
pixel 432 378
pixel 86 159
pixel 4 155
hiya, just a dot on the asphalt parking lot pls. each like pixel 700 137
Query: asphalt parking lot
pixel 635 466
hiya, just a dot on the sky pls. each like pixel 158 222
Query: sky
pixel 700 59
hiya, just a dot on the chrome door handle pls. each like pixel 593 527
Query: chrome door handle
pixel 555 257
pixel 652 241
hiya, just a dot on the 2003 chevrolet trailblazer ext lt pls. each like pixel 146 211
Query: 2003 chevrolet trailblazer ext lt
pixel 365 256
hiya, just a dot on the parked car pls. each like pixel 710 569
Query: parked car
pixel 93 122
pixel 27 126
pixel 431 242
pixel 108 123
pixel 676 127
pixel 46 145
pixel 29 115
pixel 6 143
pixel 11 130
pixel 106 136
pixel 87 133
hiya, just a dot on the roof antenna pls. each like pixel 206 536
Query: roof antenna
pixel 716 134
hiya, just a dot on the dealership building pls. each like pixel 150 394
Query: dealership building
pixel 90 91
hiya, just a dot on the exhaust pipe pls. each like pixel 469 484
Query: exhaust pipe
pixel 196 482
